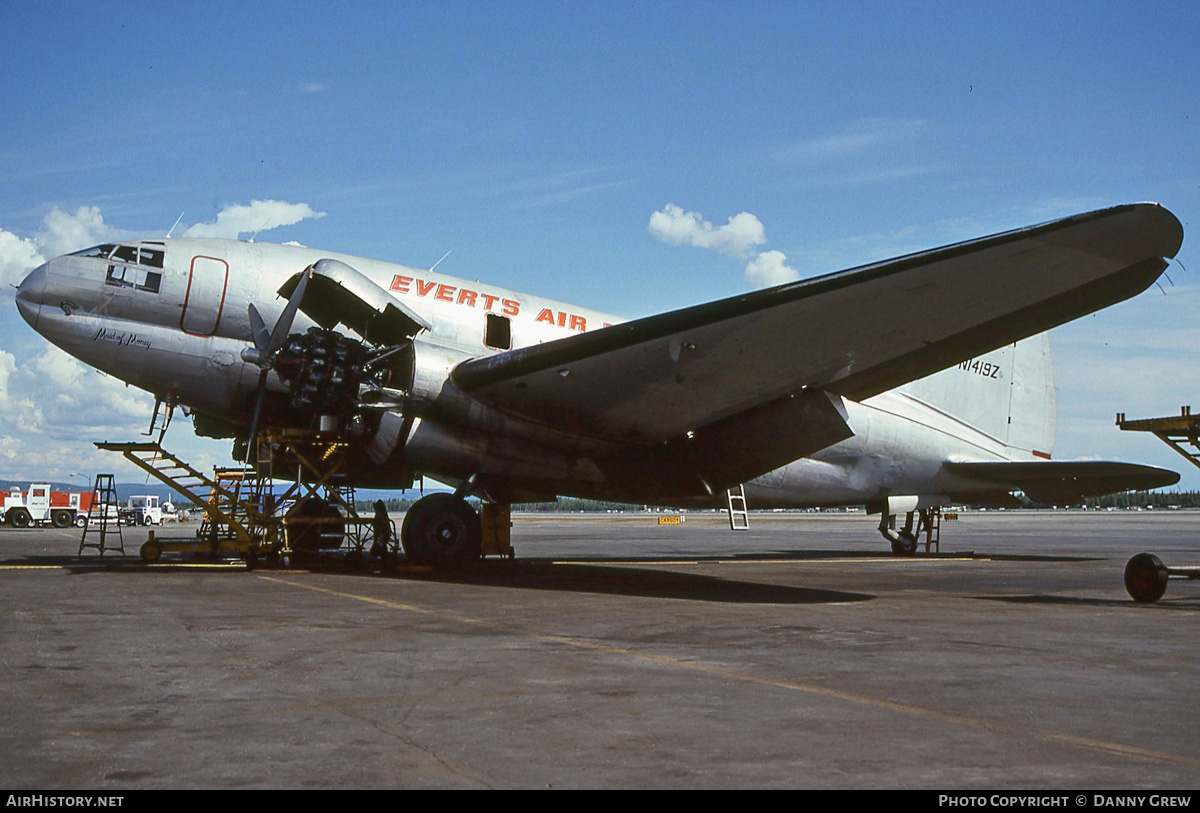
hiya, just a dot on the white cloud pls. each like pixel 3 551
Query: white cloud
pixel 770 268
pixel 735 239
pixel 18 256
pixel 856 138
pixel 260 215
pixel 61 233
pixel 52 406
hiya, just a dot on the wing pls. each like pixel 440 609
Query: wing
pixel 698 372
pixel 1059 482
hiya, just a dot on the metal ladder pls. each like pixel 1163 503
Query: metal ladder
pixel 739 517
pixel 104 494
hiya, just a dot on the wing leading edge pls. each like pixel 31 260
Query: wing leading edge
pixel 854 333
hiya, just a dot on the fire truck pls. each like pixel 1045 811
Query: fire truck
pixel 41 506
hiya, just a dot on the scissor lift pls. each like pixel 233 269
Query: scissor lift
pixel 322 513
pixel 1146 576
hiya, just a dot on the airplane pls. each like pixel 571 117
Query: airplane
pixel 903 385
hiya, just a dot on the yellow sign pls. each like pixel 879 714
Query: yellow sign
pixel 670 520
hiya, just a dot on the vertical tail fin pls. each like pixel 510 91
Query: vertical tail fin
pixel 1008 394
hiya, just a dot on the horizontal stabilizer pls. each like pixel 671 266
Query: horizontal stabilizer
pixel 1062 482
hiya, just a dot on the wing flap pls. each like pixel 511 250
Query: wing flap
pixel 854 333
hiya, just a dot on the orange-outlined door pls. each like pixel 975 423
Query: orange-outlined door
pixel 205 297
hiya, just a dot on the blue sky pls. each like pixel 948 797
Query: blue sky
pixel 536 141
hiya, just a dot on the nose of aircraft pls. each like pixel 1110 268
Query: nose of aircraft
pixel 30 293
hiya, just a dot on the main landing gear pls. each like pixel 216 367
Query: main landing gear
pixel 904 542
pixel 443 531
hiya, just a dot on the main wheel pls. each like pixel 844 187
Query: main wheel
pixel 441 531
pixel 905 544
pixel 1146 578
pixel 19 518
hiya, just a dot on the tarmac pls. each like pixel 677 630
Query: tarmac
pixel 616 653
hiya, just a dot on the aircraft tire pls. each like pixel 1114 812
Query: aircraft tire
pixel 19 518
pixel 441 531
pixel 1146 578
pixel 905 544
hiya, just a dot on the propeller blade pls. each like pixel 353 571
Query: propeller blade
pixel 251 444
pixel 284 326
pixel 258 330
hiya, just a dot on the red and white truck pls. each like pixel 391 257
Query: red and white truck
pixel 41 506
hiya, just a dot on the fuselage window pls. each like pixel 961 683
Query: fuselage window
pixel 132 276
pixel 498 332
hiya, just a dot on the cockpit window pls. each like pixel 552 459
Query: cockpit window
pixel 129 264
pixel 150 254
pixel 95 251
pixel 152 257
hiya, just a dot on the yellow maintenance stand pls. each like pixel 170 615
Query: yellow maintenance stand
pixel 245 515
pixel 1146 576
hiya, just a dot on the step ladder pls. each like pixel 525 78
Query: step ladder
pixel 224 504
pixel 99 517
pixel 739 517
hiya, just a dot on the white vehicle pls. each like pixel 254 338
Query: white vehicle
pixel 143 510
pixel 37 510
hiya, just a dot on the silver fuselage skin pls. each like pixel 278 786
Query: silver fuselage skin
pixel 171 317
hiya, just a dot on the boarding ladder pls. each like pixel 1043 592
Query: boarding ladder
pixel 739 517
pixel 225 504
pixel 102 512
pixel 931 519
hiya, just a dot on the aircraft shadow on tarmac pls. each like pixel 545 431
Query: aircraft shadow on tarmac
pixel 611 577
pixel 644 582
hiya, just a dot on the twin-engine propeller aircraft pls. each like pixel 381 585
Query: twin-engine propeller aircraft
pixel 905 385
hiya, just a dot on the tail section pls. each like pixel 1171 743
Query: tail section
pixel 1008 394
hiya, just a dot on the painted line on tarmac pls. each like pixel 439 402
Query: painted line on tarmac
pixel 33 567
pixel 908 709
